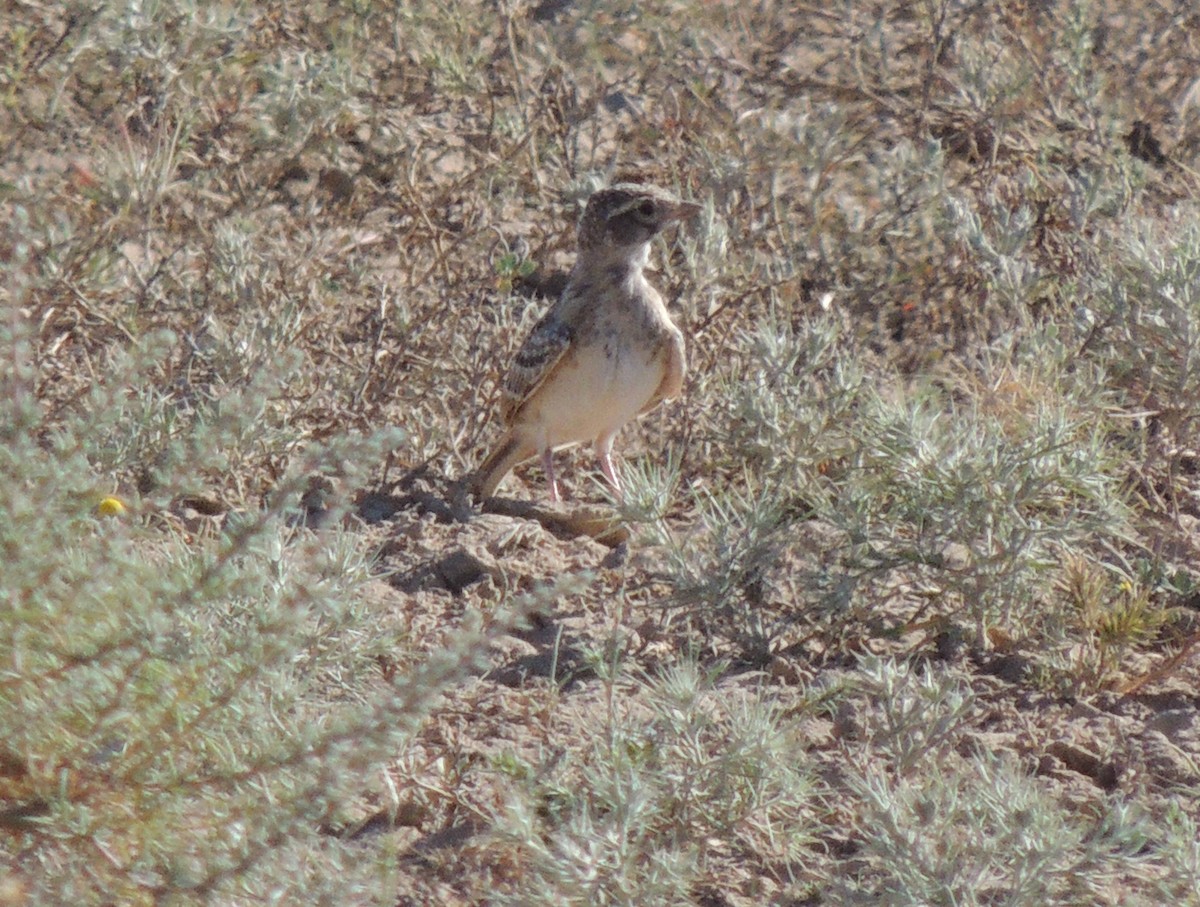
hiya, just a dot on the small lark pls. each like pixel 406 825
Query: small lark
pixel 605 352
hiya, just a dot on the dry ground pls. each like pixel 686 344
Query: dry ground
pixel 363 208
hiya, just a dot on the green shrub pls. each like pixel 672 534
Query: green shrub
pixel 633 817
pixel 182 711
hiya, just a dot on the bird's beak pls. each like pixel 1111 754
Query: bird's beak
pixel 683 210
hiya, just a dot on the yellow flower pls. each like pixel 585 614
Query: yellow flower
pixel 110 506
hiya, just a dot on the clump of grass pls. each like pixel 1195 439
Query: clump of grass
pixel 1111 613
pixel 918 713
pixel 977 485
pixel 1010 479
pixel 163 686
pixel 633 816
pixel 1181 853
pixel 982 831
pixel 1142 321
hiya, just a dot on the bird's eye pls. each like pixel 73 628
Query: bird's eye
pixel 646 209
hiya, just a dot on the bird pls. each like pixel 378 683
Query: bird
pixel 604 353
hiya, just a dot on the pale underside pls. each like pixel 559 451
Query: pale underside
pixel 605 352
pixel 592 392
pixel 569 386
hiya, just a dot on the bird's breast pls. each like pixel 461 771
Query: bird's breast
pixel 599 389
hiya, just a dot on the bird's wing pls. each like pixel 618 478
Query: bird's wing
pixel 672 380
pixel 536 361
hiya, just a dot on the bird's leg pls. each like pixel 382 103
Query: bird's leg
pixel 548 466
pixel 604 455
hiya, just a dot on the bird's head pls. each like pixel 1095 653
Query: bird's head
pixel 625 217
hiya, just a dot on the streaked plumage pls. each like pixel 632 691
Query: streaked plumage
pixel 605 352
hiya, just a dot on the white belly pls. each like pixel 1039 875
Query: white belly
pixel 593 396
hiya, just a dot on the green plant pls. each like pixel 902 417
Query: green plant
pixel 918 714
pixel 160 686
pixel 982 831
pixel 1115 614
pixel 631 819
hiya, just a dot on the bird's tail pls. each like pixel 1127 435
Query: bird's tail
pixel 491 472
